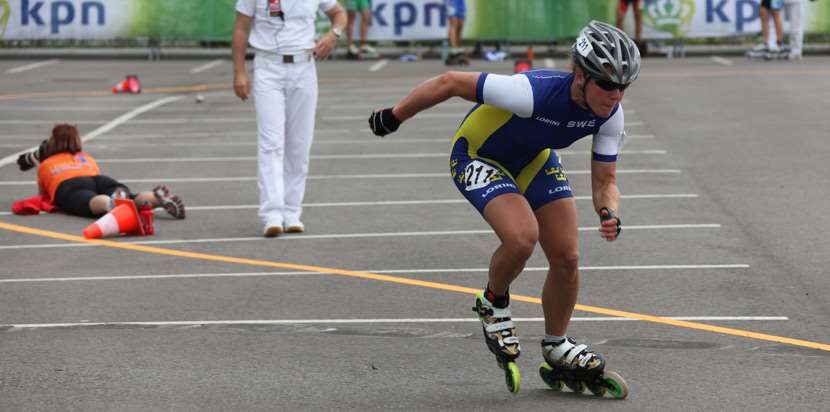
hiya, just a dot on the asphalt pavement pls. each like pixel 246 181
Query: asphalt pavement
pixel 714 298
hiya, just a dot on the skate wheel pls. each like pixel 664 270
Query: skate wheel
pixel 547 375
pixel 616 385
pixel 598 389
pixel 512 377
pixel 576 386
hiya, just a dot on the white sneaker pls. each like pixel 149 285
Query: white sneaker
pixel 294 226
pixel 367 49
pixel 272 230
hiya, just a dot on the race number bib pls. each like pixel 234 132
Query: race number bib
pixel 583 46
pixel 478 174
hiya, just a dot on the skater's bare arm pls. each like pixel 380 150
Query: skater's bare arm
pixel 437 90
pixel 606 195
pixel 239 45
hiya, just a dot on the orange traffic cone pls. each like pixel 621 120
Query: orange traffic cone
pixel 128 85
pixel 522 66
pixel 124 218
pixel 530 53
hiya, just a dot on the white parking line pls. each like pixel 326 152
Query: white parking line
pixel 421 202
pixel 127 140
pixel 332 177
pixel 207 66
pixel 103 129
pixel 339 157
pixel 384 271
pixel 345 236
pixel 360 321
pixel 409 202
pixel 721 60
pixel 379 65
pixel 20 69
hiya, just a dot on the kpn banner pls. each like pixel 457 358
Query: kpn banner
pixel 719 18
pixel 113 19
pixel 514 20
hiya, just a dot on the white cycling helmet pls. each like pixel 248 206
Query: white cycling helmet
pixel 607 53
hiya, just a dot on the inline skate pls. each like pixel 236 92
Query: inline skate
pixel 502 340
pixel 457 59
pixel 578 368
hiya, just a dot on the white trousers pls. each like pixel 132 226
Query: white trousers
pixel 285 97
pixel 795 12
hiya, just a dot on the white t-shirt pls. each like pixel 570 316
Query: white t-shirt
pixel 292 34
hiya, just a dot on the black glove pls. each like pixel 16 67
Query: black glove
pixel 29 160
pixel 383 122
pixel 611 214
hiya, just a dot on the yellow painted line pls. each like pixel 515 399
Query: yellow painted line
pixel 411 282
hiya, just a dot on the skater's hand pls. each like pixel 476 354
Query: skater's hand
pixel 382 122
pixel 241 85
pixel 610 224
pixel 324 46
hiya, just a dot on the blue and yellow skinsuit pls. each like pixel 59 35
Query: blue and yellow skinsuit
pixel 505 143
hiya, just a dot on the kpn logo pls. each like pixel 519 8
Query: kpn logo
pixel 5 14
pixel 671 16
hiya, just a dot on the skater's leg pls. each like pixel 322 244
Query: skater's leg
pixel 512 219
pixel 558 236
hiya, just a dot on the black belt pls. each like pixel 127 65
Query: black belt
pixel 296 58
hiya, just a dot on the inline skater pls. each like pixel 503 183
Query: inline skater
pixel 503 162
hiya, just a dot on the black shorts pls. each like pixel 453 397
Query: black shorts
pixel 770 5
pixel 73 195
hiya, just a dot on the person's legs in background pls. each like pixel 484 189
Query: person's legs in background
pixel 764 15
pixel 351 14
pixel 299 133
pixel 794 9
pixel 638 21
pixel 365 21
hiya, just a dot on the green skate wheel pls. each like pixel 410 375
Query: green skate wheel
pixel 546 373
pixel 512 377
pixel 616 384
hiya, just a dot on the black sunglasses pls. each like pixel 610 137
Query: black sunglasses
pixel 609 86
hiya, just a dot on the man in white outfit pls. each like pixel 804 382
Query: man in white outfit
pixel 281 32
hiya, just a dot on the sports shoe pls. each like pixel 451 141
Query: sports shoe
pixel 368 50
pixel 172 204
pixel 120 193
pixel 272 229
pixel 294 226
pixel 353 49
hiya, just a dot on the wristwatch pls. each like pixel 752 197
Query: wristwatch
pixel 338 32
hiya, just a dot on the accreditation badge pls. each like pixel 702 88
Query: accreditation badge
pixel 275 8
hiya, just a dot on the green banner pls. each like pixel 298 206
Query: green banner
pixel 538 20
pixel 182 19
